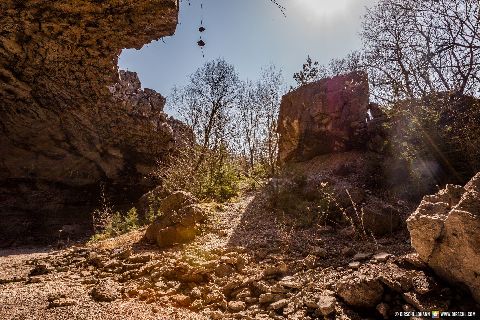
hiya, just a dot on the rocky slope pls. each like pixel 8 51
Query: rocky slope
pixel 68 119
pixel 247 264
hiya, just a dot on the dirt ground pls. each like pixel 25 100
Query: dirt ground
pixel 246 264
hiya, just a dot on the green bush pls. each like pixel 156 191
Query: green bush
pixel 216 178
pixel 303 208
pixel 115 223
pixel 437 140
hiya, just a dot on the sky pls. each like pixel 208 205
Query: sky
pixel 250 34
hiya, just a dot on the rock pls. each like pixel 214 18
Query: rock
pixel 423 284
pixel 289 282
pixel 361 256
pixel 359 290
pixel 181 300
pixel 395 278
pixel 326 305
pixel 262 286
pixel 322 117
pixel 178 222
pixel 383 309
pixel 39 269
pixel 349 197
pixel 277 288
pixel 157 201
pixel 106 291
pixel 354 265
pixel 279 269
pixel 380 218
pixel 110 130
pixel 61 302
pixel 224 270
pixel 414 260
pixel 237 306
pixel 348 251
pixel 32 280
pixel 215 296
pixel 425 303
pixel 216 315
pixel 348 232
pixel 122 253
pixel 95 259
pixel 445 232
pixel 319 252
pixel 269 297
pixel 280 304
pixel 310 261
pixel 382 256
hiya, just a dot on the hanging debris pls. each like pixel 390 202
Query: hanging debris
pixel 201 43
pixel 201 29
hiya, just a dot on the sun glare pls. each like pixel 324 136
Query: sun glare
pixel 322 8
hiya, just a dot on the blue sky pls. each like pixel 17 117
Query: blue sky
pixel 249 34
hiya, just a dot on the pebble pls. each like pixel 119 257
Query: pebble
pixel 361 256
pixel 237 306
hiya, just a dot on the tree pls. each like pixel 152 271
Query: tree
pixel 352 62
pixel 269 93
pixel 206 105
pixel 311 71
pixel 413 48
pixel 258 112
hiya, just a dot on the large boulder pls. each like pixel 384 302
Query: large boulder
pixel 178 220
pixel 69 121
pixel 445 232
pixel 323 117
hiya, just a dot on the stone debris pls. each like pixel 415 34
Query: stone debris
pixel 360 290
pixel 361 256
pixel 326 305
pixel 381 257
pixel 105 291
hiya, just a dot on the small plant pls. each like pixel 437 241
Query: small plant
pixel 216 178
pixel 304 206
pixel 152 214
pixel 115 223
pixel 102 217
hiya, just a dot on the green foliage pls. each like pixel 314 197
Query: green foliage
pixel 152 214
pixel 223 183
pixel 289 195
pixel 216 178
pixel 436 140
pixel 116 223
pixel 311 71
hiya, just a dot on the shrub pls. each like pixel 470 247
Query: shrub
pixel 115 223
pixel 303 205
pixel 437 140
pixel 288 196
pixel 217 177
